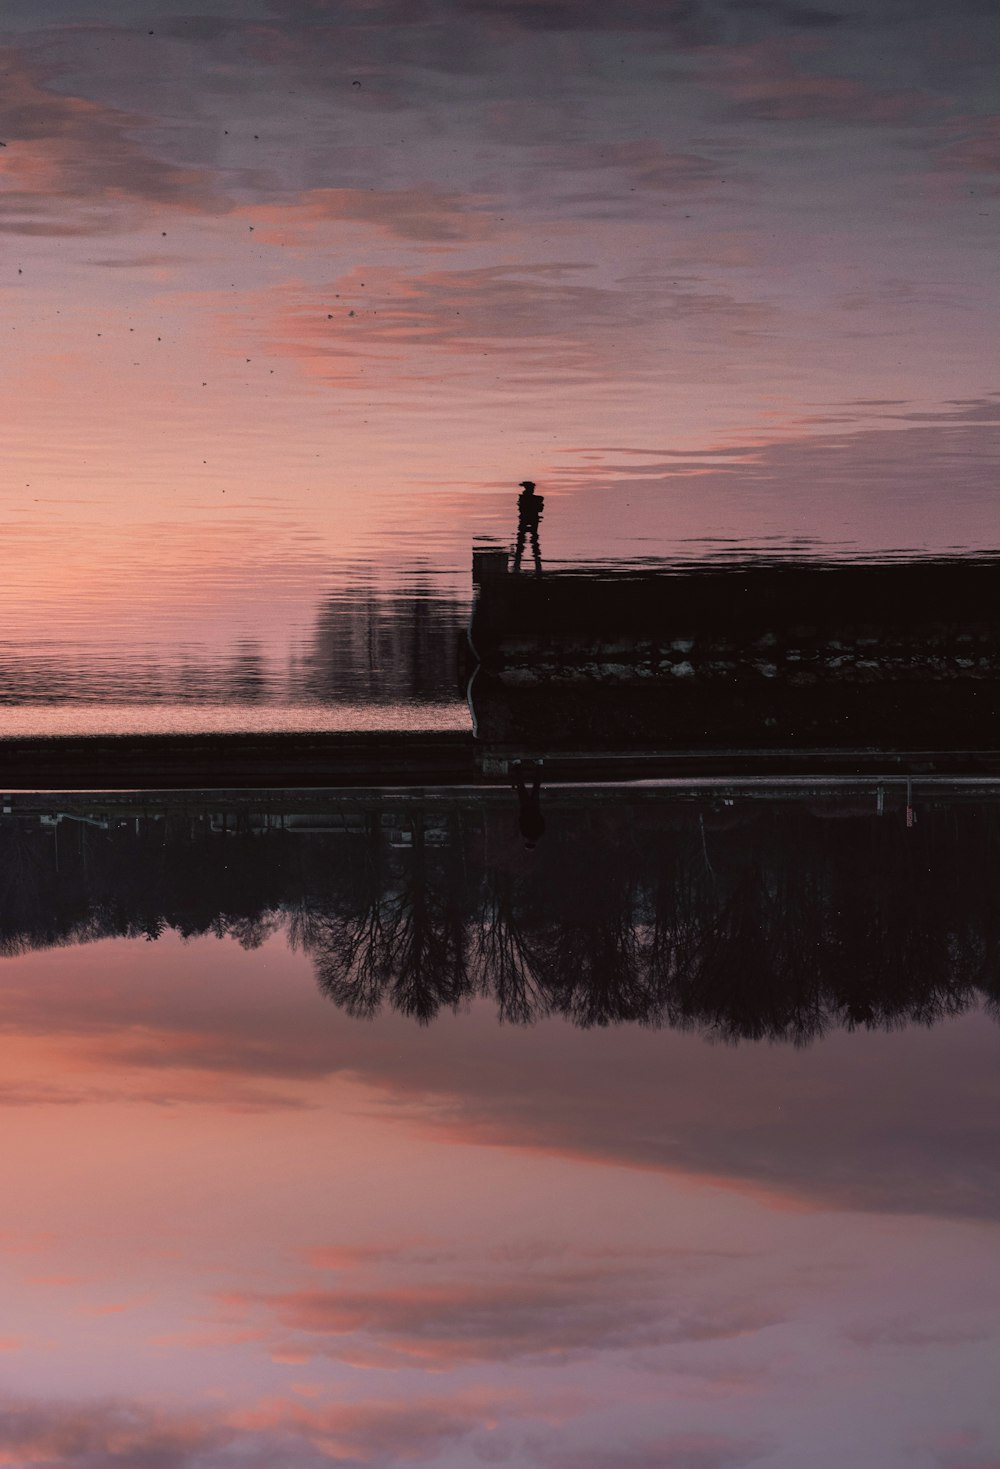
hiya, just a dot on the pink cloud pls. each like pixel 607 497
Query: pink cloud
pixel 424 212
pixel 116 1308
pixel 966 1448
pixel 914 1333
pixel 766 82
pixel 70 163
pixel 19 1242
pixel 565 1313
pixel 79 1435
pixel 137 1435
pixel 382 1431
pixel 972 147
pixel 649 165
pixel 544 316
pixel 668 1451
pixel 732 1118
pixel 342 1257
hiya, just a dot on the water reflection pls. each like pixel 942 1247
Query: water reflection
pixel 372 657
pixel 742 917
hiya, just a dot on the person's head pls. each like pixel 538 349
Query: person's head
pixel 529 485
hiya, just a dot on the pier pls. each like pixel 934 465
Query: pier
pixel 756 666
pixel 751 671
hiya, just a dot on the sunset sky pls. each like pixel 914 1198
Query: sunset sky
pixel 291 285
pixel 241 1227
pixel 292 294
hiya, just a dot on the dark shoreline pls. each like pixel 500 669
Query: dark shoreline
pixel 448 759
pixel 193 761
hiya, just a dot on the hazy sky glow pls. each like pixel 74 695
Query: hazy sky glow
pixel 292 282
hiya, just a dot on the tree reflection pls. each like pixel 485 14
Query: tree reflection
pixel 400 936
pixel 774 920
pixel 507 957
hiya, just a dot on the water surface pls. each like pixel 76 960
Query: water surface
pixel 345 1129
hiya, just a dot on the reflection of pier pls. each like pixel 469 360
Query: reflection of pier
pixel 755 666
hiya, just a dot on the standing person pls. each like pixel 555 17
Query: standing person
pixel 530 821
pixel 529 513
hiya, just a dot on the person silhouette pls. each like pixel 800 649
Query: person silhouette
pixel 529 513
pixel 530 821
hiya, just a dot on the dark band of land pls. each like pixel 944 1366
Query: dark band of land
pixel 289 761
pixel 212 761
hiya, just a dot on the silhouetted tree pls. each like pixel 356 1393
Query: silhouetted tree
pixel 769 921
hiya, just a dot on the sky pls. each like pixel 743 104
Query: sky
pixel 239 1226
pixel 289 287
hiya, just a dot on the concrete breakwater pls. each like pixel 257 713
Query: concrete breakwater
pixel 932 619
pixel 894 655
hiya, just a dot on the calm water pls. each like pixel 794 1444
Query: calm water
pixel 346 1130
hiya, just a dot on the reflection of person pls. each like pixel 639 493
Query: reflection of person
pixel 530 821
pixel 529 513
